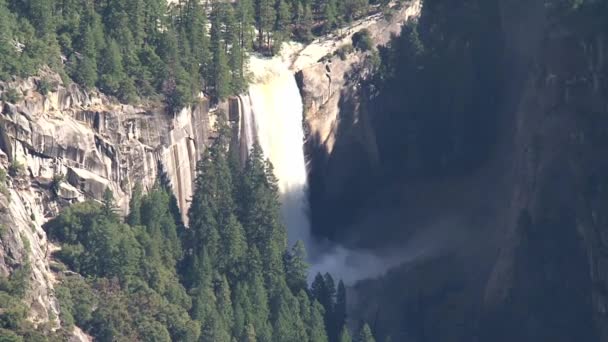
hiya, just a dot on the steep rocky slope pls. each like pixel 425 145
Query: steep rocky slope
pixel 340 137
pixel 72 144
pixel 525 260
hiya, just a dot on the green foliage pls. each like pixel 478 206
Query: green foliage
pixel 11 96
pixel 229 277
pixel 296 268
pixel 330 15
pixel 317 326
pixel 333 301
pixel 131 270
pixel 3 188
pixel 345 335
pixel 45 86
pixel 425 136
pixel 339 315
pixel 134 217
pixel 145 48
pixel 220 72
pixel 56 182
pixel 77 300
pixel 365 334
pixel 9 336
pixel 354 8
pixel 265 20
pixel 283 19
pixel 344 50
pixel 16 168
pixel 111 68
pixel 362 40
pixel 14 312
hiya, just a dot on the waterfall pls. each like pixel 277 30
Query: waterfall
pixel 272 114
pixel 247 127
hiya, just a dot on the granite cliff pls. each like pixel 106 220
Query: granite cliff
pixel 68 144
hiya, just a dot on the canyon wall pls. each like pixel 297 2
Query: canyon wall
pixel 526 229
pixel 71 144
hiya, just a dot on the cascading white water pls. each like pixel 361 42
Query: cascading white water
pixel 247 127
pixel 274 112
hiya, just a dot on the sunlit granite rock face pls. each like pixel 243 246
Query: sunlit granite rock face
pixel 93 142
pixel 70 145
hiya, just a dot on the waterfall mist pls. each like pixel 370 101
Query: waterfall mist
pixel 272 114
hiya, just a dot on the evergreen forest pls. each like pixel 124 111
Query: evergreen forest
pixel 229 276
pixel 151 49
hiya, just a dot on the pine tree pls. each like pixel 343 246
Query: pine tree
pixel 234 247
pixel 234 37
pixel 288 325
pixel 245 17
pixel 196 31
pixel 41 14
pixel 189 64
pixel 354 8
pixel 261 217
pixel 203 295
pixel 85 70
pixel 330 286
pixel 108 203
pixel 305 312
pixel 345 335
pixel 317 8
pixel 134 217
pixel 237 65
pixel 330 15
pixel 317 325
pixel 9 62
pixel 339 12
pixel 111 69
pixel 283 16
pixel 214 330
pixel 365 334
pixel 220 73
pixel 329 303
pixel 243 310
pixel 265 21
pixel 261 311
pixel 296 268
pixel 203 210
pixel 136 12
pixel 305 23
pixel 254 262
pixel 249 335
pixel 321 292
pixel 339 310
pixel 161 225
pixel 224 303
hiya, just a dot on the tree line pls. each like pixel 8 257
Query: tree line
pixel 136 49
pixel 228 276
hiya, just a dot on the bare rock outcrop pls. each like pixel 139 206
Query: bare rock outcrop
pixel 71 144
pixel 326 80
pixel 94 142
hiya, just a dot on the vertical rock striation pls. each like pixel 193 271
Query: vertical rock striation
pixel 70 145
